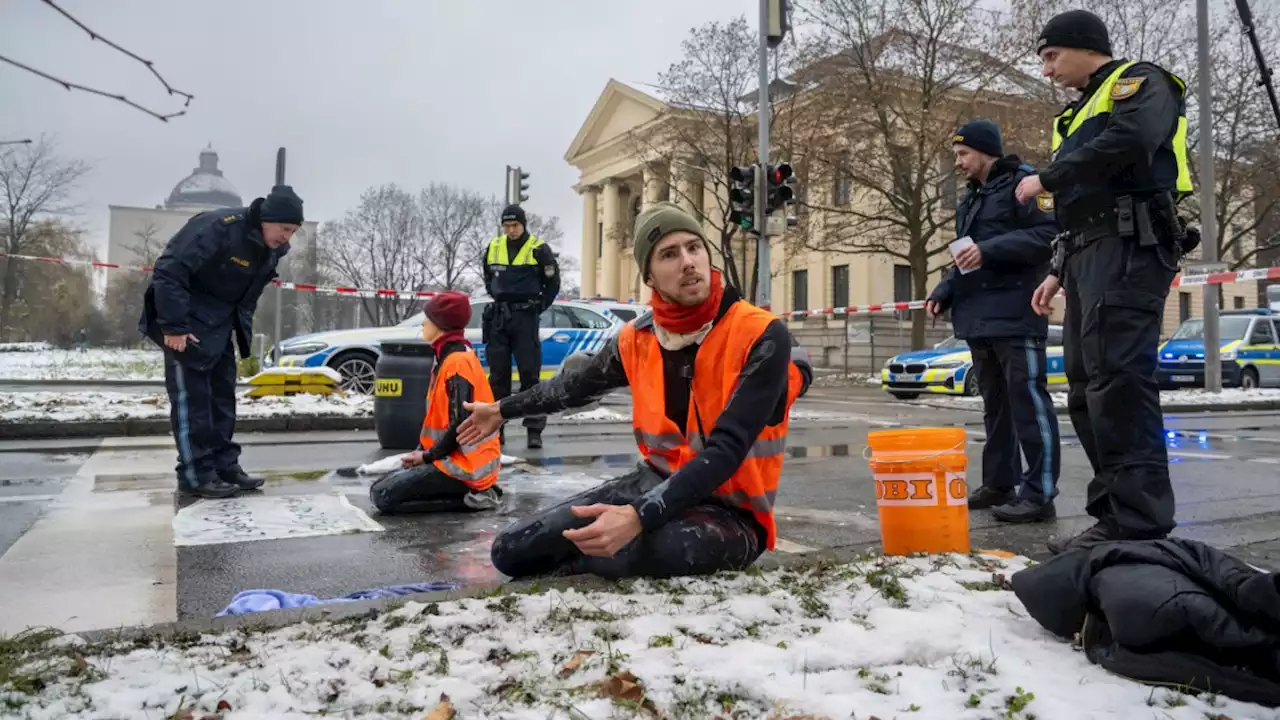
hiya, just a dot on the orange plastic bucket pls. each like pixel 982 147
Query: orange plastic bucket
pixel 921 493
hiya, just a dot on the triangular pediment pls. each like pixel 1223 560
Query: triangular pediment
pixel 619 109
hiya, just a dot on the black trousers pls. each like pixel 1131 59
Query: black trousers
pixel 202 414
pixel 422 489
pixel 514 332
pixel 1019 418
pixel 1115 300
pixel 708 538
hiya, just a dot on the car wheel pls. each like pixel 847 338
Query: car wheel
pixel 971 384
pixel 1249 379
pixel 358 371
pixel 905 395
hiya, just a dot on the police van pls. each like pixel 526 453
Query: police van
pixel 1249 351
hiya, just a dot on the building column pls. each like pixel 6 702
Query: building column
pixel 686 188
pixel 612 228
pixel 590 241
pixel 652 183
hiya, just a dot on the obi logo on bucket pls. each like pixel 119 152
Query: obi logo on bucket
pixel 921 489
pixel 388 388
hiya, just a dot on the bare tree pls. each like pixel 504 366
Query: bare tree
pixel 37 185
pixel 55 301
pixel 710 128
pixel 126 288
pixel 894 79
pixel 379 245
pixel 455 222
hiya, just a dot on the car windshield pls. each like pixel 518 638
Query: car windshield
pixel 1229 328
pixel 411 321
pixel 950 342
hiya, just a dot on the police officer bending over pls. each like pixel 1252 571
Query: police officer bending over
pixel 523 278
pixel 205 287
pixel 989 294
pixel 1120 165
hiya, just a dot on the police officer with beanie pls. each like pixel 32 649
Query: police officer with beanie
pixel 989 295
pixel 1119 168
pixel 523 278
pixel 199 308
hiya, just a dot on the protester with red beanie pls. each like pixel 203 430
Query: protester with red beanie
pixel 712 381
pixel 446 475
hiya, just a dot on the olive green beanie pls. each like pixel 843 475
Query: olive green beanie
pixel 656 222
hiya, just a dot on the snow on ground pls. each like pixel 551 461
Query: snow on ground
pixel 1229 396
pixel 89 406
pixel 25 347
pixel 936 637
pixel 93 364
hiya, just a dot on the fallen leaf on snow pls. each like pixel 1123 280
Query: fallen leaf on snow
pixel 625 686
pixel 443 711
pixel 575 662
pixel 224 706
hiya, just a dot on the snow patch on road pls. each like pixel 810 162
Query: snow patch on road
pixel 931 638
pixel 268 517
pixel 95 364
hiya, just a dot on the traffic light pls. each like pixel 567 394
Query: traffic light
pixel 517 185
pixel 781 180
pixel 742 196
pixel 778 23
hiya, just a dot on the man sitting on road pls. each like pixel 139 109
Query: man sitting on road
pixel 712 381
pixel 447 475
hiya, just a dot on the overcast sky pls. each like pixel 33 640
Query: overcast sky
pixel 361 93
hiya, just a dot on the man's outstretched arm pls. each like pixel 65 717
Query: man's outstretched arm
pixel 572 388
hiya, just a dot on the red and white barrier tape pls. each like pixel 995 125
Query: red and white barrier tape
pixel 1221 278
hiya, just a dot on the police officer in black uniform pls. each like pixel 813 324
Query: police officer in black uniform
pixel 1120 166
pixel 204 289
pixel 989 295
pixel 523 278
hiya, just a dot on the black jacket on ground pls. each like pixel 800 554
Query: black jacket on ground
pixel 1165 612
pixel 994 301
pixel 759 400
pixel 207 282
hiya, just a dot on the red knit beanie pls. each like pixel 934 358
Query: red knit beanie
pixel 449 310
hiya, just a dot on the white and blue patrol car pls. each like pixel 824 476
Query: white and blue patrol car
pixel 566 327
pixel 947 369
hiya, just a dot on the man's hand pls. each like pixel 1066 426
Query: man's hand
pixel 414 459
pixel 178 343
pixel 969 258
pixel 485 420
pixel 614 527
pixel 1028 188
pixel 1044 295
pixel 934 308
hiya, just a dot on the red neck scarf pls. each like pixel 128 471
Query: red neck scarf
pixel 681 319
pixel 458 336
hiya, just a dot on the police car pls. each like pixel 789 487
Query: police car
pixel 1249 353
pixel 566 327
pixel 947 369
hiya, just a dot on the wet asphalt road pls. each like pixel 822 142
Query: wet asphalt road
pixel 1224 469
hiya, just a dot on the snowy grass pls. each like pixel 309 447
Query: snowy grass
pixel 1229 396
pixel 937 637
pixel 94 364
pixel 93 406
pixel 25 347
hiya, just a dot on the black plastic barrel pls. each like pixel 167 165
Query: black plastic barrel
pixel 400 393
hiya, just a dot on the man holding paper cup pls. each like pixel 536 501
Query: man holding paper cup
pixel 1001 254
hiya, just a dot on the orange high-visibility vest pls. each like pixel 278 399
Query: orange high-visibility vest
pixel 477 465
pixel 717 365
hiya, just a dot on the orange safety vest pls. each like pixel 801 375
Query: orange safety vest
pixel 717 366
pixel 477 465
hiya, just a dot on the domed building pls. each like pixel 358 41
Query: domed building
pixel 204 188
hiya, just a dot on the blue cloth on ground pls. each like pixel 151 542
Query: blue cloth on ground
pixel 251 601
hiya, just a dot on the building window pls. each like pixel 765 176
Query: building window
pixel 842 191
pixel 840 286
pixel 800 290
pixel 1237 243
pixel 1184 307
pixel 902 288
pixel 600 240
pixel 1237 302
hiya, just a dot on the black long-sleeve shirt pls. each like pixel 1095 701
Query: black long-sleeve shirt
pixel 1138 124
pixel 758 400
pixel 459 390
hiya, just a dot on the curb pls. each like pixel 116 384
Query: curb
pixel 160 426
pixel 1166 409
pixel 67 383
